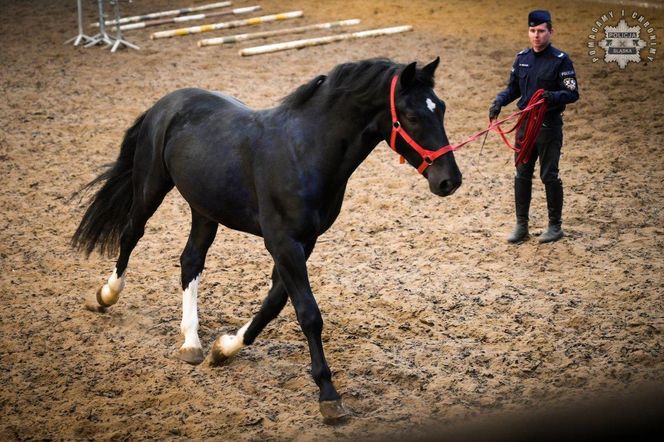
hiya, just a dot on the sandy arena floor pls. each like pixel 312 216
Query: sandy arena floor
pixel 429 314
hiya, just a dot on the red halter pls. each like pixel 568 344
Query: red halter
pixel 428 156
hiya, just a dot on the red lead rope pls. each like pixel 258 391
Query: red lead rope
pixel 531 116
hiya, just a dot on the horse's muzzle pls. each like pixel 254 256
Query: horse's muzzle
pixel 447 186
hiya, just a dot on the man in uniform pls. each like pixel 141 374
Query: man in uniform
pixel 540 67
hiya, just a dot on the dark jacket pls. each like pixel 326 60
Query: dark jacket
pixel 551 70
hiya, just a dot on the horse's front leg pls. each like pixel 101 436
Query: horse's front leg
pixel 290 260
pixel 290 277
pixel 227 346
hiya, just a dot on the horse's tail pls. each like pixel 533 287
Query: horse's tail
pixel 108 213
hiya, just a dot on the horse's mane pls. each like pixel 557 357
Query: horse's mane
pixel 303 93
pixel 360 79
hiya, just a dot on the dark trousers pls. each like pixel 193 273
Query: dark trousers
pixel 547 149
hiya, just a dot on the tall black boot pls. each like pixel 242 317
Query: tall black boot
pixel 522 194
pixel 554 202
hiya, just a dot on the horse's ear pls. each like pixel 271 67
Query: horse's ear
pixel 407 76
pixel 430 69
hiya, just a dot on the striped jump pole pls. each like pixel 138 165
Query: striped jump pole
pixel 251 36
pixel 296 44
pixel 163 21
pixel 227 25
pixel 171 12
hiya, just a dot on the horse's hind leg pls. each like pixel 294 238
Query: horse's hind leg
pixel 143 207
pixel 192 262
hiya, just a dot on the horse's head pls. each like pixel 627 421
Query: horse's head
pixel 418 133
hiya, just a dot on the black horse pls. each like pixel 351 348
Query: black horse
pixel 279 173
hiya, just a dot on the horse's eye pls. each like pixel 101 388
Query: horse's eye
pixel 411 118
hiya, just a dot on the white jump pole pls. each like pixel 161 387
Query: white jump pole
pixel 81 37
pixel 296 44
pixel 119 41
pixel 151 15
pixel 251 36
pixel 227 25
pixel 184 18
pixel 102 37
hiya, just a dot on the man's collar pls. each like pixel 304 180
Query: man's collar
pixel 543 51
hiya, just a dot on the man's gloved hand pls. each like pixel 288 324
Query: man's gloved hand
pixel 494 110
pixel 548 97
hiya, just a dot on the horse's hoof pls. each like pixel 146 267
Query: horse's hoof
pixel 92 303
pixel 333 412
pixel 217 356
pixel 191 355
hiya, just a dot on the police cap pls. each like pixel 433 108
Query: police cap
pixel 538 17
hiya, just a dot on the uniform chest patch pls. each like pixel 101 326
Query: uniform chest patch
pixel 570 83
pixel 431 105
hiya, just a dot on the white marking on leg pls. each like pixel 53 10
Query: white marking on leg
pixel 189 324
pixel 110 293
pixel 231 345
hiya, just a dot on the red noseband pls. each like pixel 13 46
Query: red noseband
pixel 428 156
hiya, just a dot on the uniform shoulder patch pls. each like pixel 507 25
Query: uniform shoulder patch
pixel 524 51
pixel 570 83
pixel 557 52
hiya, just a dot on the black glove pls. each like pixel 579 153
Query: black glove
pixel 548 97
pixel 494 110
